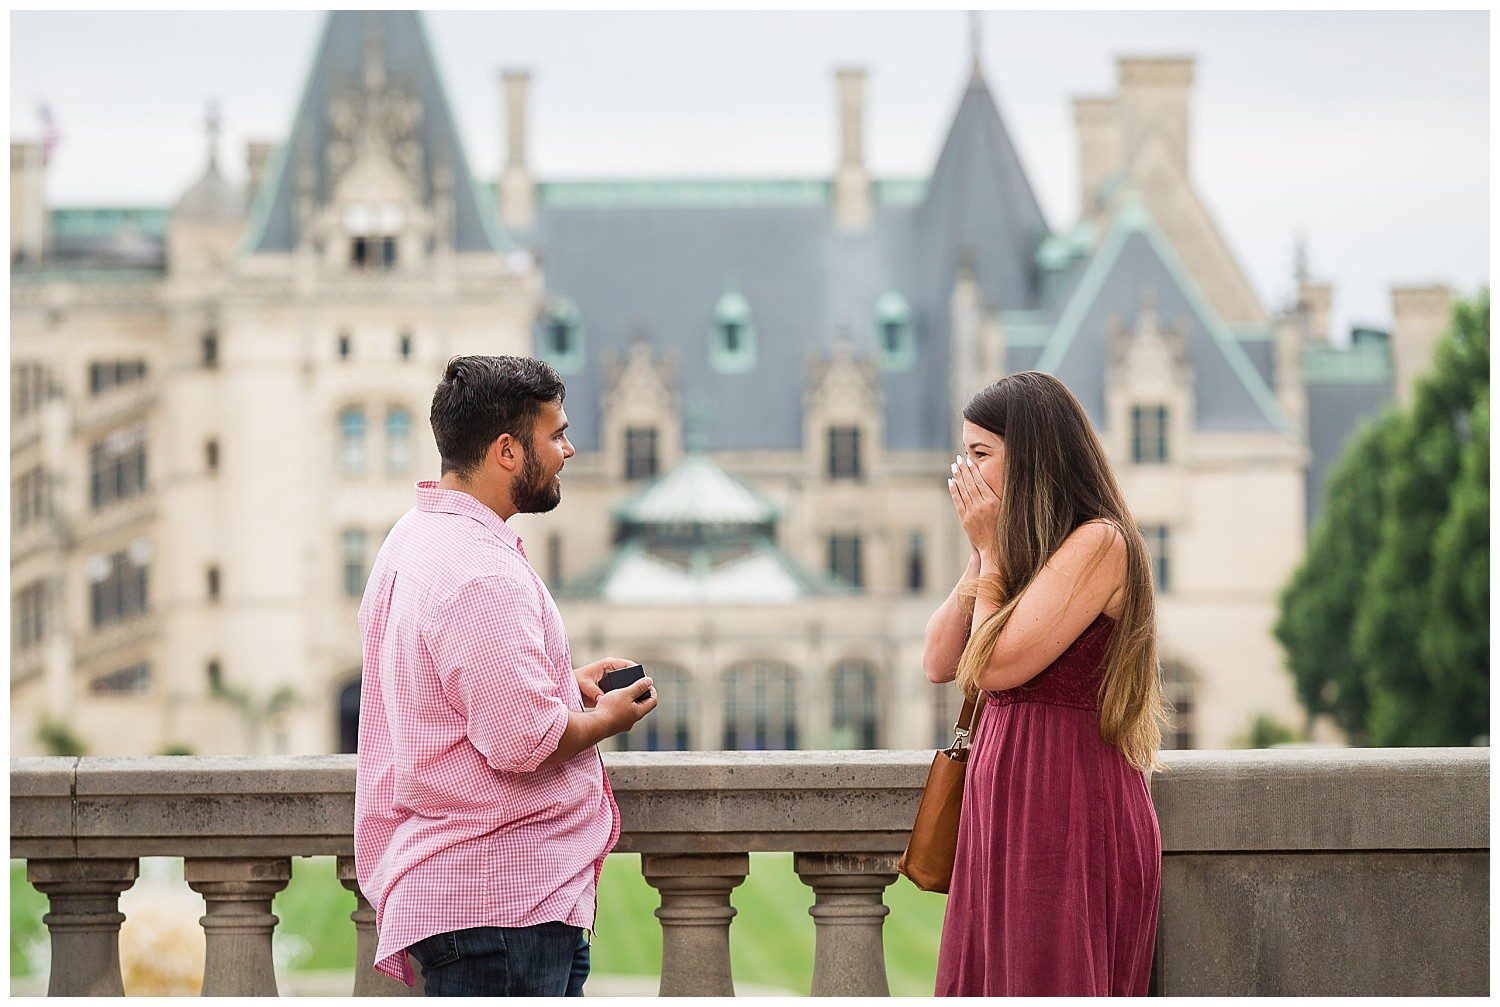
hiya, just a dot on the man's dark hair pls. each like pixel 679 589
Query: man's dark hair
pixel 482 397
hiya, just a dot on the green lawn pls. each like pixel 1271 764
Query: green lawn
pixel 771 939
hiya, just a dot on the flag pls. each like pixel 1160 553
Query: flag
pixel 50 134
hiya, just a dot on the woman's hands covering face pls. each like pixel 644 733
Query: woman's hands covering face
pixel 976 503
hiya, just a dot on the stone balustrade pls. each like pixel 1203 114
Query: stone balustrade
pixel 1284 872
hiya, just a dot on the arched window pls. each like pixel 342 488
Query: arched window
pixel 398 440
pixel 893 331
pixel 349 716
pixel 669 728
pixel 733 347
pixel 560 338
pixel 760 707
pixel 352 441
pixel 856 712
pixel 1177 689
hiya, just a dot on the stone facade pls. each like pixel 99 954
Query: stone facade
pixel 220 411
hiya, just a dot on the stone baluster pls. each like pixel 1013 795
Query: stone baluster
pixel 238 924
pixel 695 914
pixel 849 955
pixel 368 982
pixel 84 922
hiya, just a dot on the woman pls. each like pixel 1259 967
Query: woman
pixel 1058 869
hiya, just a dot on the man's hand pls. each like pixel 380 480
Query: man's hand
pixel 588 678
pixel 620 709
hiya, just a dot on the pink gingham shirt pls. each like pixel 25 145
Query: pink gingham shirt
pixel 466 689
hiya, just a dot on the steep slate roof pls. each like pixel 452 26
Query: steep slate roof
pixel 1134 256
pixel 657 256
pixel 339 64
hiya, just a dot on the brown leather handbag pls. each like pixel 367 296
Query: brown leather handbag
pixel 928 859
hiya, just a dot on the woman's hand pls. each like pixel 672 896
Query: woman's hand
pixel 589 675
pixel 977 505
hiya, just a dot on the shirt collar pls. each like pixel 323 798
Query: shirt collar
pixel 434 499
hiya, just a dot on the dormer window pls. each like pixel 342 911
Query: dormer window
pixel 373 229
pixel 733 347
pixel 893 333
pixel 561 335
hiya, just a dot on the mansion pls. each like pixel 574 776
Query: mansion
pixel 219 410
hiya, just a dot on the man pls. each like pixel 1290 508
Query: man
pixel 482 811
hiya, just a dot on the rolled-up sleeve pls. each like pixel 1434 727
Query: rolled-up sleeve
pixel 488 646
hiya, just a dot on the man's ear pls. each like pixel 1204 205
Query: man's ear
pixel 506 453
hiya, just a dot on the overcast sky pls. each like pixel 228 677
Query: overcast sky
pixel 1368 131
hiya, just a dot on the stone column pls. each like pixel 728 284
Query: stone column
pixel 849 958
pixel 84 922
pixel 238 925
pixel 695 914
pixel 368 982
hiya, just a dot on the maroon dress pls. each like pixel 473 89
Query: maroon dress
pixel 1058 870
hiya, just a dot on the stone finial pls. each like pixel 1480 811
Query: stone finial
pixel 976 54
pixel 517 189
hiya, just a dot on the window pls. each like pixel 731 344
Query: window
pixel 845 559
pixel 561 336
pixel 843 453
pixel 132 681
pixel 30 616
pixel 106 375
pixel 31 497
pixel 398 440
pixel 1159 545
pixel 210 349
pixel 916 566
pixel 640 453
pixel 760 707
pixel 856 718
pixel 118 584
pixel 211 455
pixel 1148 434
pixel 373 231
pixel 733 348
pixel 213 583
pixel 354 562
pixel 404 346
pixel 214 674
pixel 352 441
pixel 31 385
pixel 345 345
pixel 117 467
pixel 669 728
pixel 893 331
pixel 1177 690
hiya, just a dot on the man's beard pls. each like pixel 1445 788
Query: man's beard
pixel 534 493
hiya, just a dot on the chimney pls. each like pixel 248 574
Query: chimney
pixel 1098 128
pixel 1314 308
pixel 257 155
pixel 517 191
pixel 1420 318
pixel 852 200
pixel 30 230
pixel 1153 100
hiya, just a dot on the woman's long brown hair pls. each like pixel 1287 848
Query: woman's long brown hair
pixel 1057 478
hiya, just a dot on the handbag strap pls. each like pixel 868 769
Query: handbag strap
pixel 963 727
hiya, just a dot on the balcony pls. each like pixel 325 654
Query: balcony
pixel 1287 872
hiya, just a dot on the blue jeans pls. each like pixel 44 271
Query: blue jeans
pixel 545 960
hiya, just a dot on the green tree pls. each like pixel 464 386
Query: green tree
pixel 1385 623
pixel 1413 701
pixel 1318 606
pixel 58 738
pixel 1267 732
